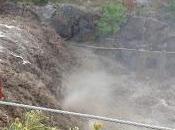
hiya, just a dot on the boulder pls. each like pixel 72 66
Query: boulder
pixel 70 21
pixel 44 13
pixel 73 22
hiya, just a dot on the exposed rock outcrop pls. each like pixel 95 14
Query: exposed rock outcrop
pixel 75 23
pixel 70 21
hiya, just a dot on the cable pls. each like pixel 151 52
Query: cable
pixel 86 116
pixel 125 49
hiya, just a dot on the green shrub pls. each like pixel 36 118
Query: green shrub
pixel 97 126
pixel 169 11
pixel 172 6
pixel 113 15
pixel 32 121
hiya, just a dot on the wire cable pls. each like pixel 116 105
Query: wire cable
pixel 86 116
pixel 125 49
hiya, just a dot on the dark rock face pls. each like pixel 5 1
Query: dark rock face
pixel 143 33
pixel 155 34
pixel 132 34
pixel 72 22
pixel 170 43
pixel 149 34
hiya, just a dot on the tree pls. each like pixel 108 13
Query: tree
pixel 113 15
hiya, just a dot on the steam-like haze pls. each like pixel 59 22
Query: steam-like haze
pixel 102 86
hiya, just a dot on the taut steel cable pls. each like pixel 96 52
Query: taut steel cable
pixel 86 116
pixel 124 49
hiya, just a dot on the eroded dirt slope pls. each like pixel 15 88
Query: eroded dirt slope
pixel 32 62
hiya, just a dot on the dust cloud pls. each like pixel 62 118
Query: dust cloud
pixel 104 87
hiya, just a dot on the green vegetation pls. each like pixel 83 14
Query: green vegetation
pixel 97 126
pixel 32 121
pixel 92 3
pixel 169 11
pixel 171 6
pixel 113 15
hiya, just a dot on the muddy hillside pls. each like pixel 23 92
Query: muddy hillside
pixel 54 55
pixel 32 61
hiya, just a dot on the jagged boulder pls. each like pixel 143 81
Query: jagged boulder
pixel 70 21
pixel 73 22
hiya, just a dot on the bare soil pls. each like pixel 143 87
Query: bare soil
pixel 32 62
